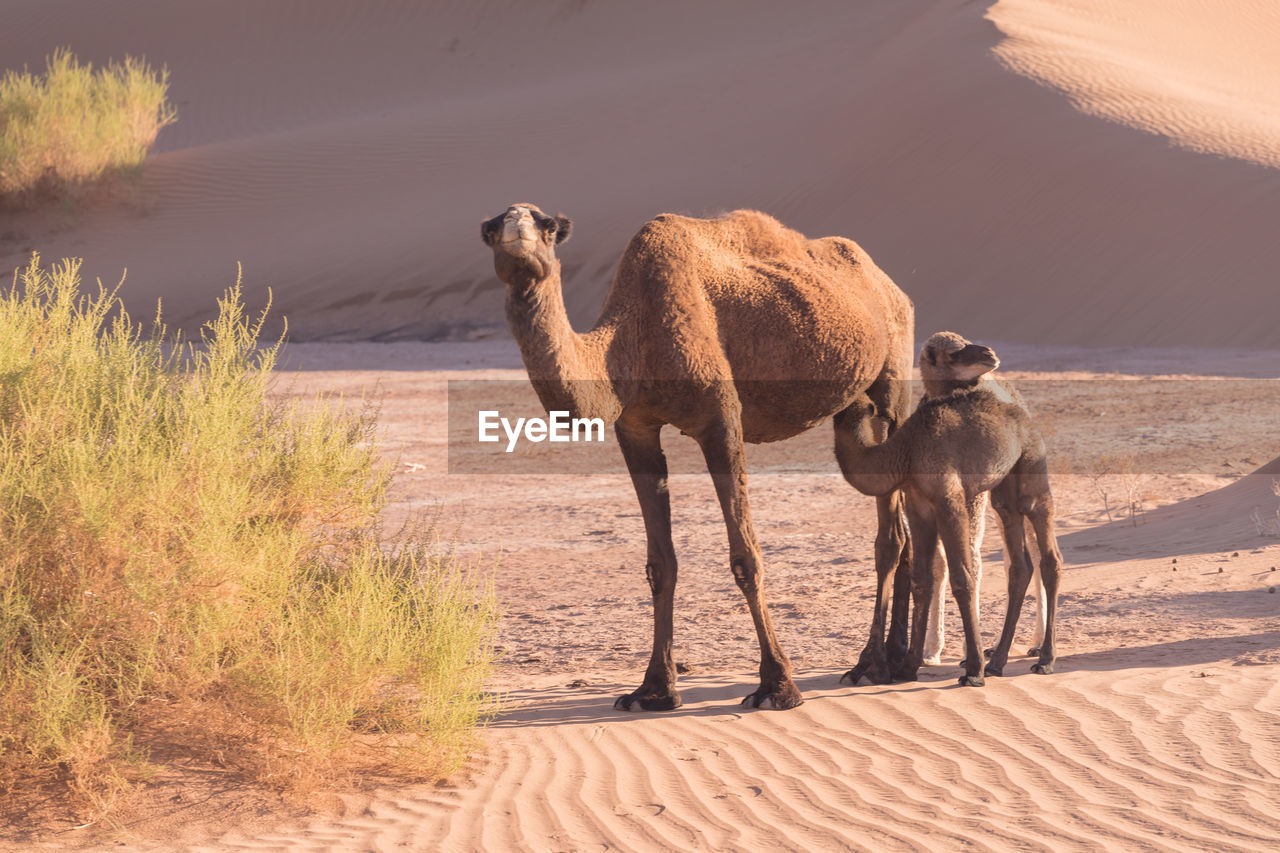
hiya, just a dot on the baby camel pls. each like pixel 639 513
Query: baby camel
pixel 954 448
pixel 946 365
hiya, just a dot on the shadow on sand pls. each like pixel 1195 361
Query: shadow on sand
pixel 704 696
pixel 719 696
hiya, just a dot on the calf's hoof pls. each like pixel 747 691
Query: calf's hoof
pixel 1042 668
pixel 935 660
pixel 648 700
pixel 971 681
pixel 987 654
pixel 781 698
pixel 874 671
pixel 1034 651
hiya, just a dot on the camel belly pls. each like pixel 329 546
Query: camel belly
pixel 776 409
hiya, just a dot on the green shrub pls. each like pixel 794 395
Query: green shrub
pixel 74 123
pixel 182 553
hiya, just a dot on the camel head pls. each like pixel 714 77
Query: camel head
pixel 524 239
pixel 949 361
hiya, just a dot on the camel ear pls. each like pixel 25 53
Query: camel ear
pixel 564 227
pixel 489 230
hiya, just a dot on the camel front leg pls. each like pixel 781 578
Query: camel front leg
pixel 726 460
pixel 642 450
pixel 953 527
pixel 926 582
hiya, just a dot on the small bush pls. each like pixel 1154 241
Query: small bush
pixel 75 123
pixel 183 560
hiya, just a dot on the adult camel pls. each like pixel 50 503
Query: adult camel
pixel 734 329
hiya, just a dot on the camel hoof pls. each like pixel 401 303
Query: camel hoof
pixel 1042 668
pixel 853 676
pixel 971 681
pixel 784 698
pixel 936 660
pixel 905 673
pixel 873 674
pixel 1034 651
pixel 997 671
pixel 642 701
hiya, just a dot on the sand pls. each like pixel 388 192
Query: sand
pixel 1158 730
pixel 1094 193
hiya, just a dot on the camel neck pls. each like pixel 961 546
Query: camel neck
pixel 871 467
pixel 567 369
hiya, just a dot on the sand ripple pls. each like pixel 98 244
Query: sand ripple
pixel 1138 759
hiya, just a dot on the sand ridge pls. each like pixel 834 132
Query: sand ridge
pixel 1176 68
pixel 907 767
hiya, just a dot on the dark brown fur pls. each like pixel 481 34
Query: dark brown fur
pixel 971 439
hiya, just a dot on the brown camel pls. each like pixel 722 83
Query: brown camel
pixel 953 448
pixel 735 329
pixel 945 366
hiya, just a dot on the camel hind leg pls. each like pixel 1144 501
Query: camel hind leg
pixel 934 634
pixel 1013 527
pixel 925 578
pixel 1042 610
pixel 1041 516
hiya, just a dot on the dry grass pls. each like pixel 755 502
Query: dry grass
pixel 74 123
pixel 178 553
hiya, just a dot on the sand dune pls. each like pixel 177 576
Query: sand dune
pixel 1217 521
pixel 1176 68
pixel 345 155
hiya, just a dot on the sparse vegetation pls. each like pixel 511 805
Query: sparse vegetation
pixel 1119 474
pixel 73 123
pixel 185 559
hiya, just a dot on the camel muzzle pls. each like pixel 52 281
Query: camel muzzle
pixel 518 227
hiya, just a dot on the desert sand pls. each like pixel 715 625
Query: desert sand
pixel 1157 732
pixel 1095 194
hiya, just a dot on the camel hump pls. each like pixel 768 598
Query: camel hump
pixel 845 249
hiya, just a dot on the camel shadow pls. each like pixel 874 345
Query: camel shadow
pixel 719 696
pixel 704 696
pixel 1174 653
